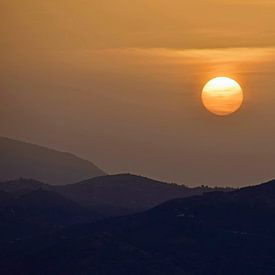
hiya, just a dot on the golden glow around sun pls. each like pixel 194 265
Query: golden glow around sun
pixel 222 96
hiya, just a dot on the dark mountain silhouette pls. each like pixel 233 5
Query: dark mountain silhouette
pixel 38 211
pixel 215 233
pixel 125 193
pixel 114 195
pixel 23 185
pixel 5 196
pixel 20 159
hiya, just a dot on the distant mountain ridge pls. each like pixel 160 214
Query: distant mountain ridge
pixel 23 160
pixel 112 195
pixel 127 193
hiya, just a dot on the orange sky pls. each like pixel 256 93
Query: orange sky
pixel 119 83
pixel 84 24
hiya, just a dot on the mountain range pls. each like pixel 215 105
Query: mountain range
pixel 21 159
pixel 214 233
pixel 112 195
pixel 69 217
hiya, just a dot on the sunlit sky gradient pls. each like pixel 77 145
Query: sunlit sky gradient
pixel 119 83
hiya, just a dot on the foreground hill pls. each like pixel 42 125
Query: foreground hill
pixel 114 195
pixel 216 233
pixel 37 212
pixel 20 159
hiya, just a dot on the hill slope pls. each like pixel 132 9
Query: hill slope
pixel 20 159
pixel 125 193
pixel 113 195
pixel 216 233
pixel 38 212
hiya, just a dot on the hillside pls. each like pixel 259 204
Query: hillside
pixel 125 193
pixel 20 159
pixel 38 212
pixel 113 195
pixel 216 233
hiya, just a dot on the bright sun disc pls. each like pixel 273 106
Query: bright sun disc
pixel 222 96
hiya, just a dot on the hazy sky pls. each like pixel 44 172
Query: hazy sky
pixel 118 82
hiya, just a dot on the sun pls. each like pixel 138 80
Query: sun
pixel 222 96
